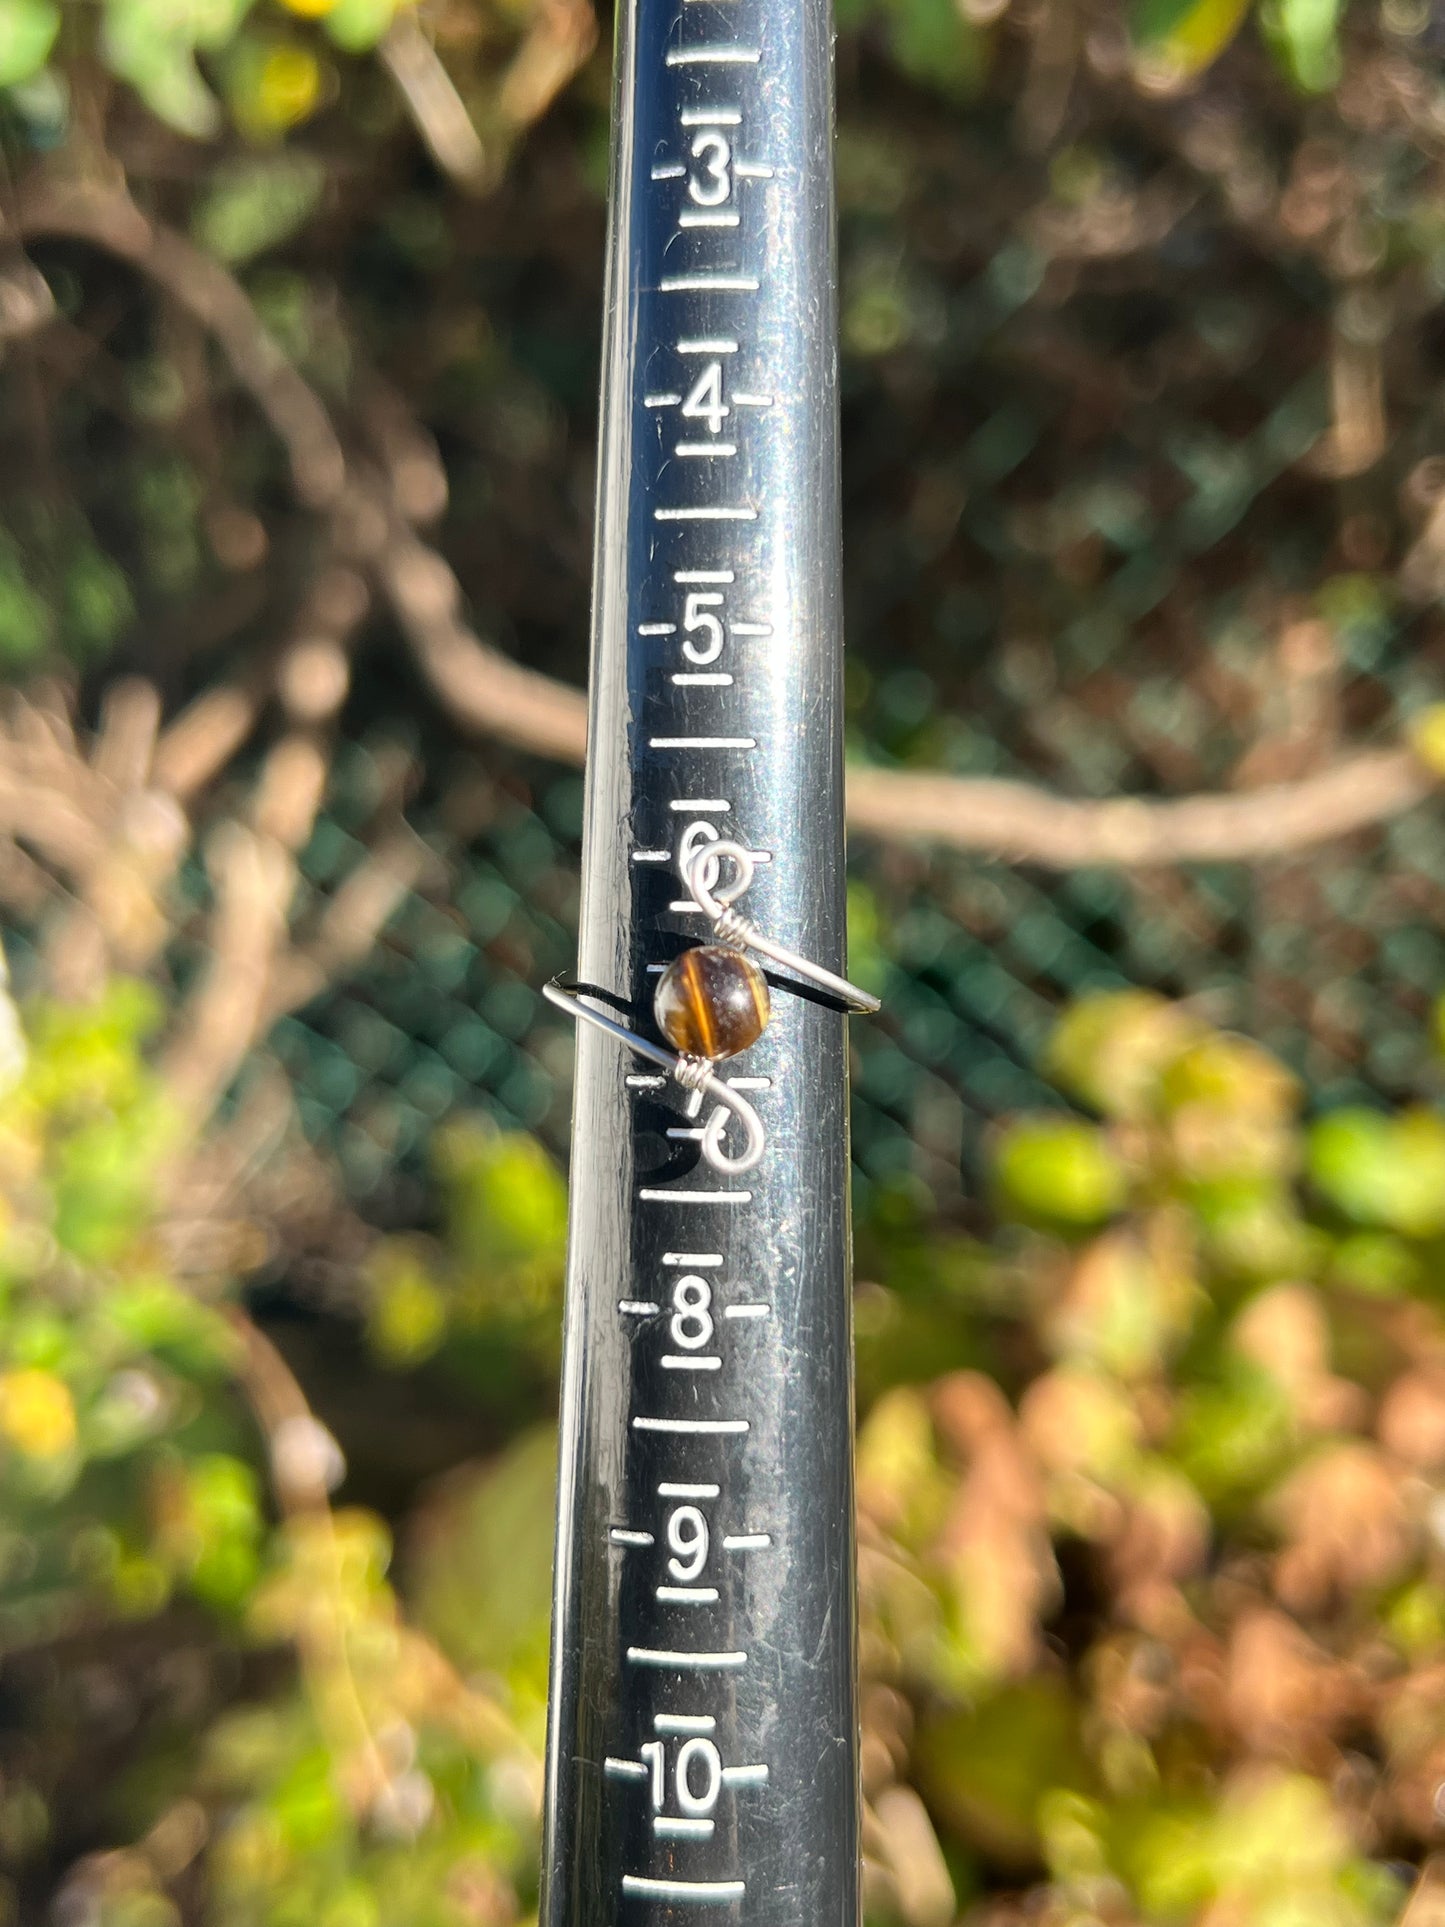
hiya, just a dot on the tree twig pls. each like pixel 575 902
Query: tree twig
pixel 487 692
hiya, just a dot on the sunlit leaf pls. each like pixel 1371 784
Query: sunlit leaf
pixel 27 34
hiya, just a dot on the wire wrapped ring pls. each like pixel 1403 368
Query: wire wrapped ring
pixel 694 1074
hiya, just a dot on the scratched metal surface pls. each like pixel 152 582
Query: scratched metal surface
pixel 702 1750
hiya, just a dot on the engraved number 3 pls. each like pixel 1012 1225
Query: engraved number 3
pixel 711 183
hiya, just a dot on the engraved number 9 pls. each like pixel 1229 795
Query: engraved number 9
pixel 711 183
pixel 687 1535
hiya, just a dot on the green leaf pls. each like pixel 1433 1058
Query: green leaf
pixel 1304 35
pixel 255 205
pixel 356 25
pixel 27 33
pixel 96 607
pixel 27 625
pixel 1059 1169
pixel 1381 1170
pixel 1178 39
pixel 933 42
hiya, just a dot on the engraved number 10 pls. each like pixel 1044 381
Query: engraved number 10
pixel 696 1777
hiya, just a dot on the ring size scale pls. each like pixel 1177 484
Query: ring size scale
pixel 702 1753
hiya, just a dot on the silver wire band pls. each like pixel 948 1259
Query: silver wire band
pixel 692 1073
pixel 700 876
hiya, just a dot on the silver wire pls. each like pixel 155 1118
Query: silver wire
pixel 700 874
pixel 694 1074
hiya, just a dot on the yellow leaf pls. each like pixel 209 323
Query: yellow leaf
pixel 37 1414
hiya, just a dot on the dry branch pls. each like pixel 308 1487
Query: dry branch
pixel 485 691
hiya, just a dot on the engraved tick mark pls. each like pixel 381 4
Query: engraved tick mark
pixel 703 1892
pixel 714 56
pixel 722 1427
pixel 718 514
pixel 708 284
pixel 667 1827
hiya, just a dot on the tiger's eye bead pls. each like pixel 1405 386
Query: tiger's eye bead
pixel 711 1002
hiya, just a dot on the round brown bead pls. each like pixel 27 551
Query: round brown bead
pixel 711 1002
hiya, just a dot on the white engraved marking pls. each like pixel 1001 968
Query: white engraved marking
pixel 625 1536
pixel 691 1258
pixel 753 170
pixel 746 1541
pixel 661 401
pixel 669 171
pixel 624 1769
pixel 708 284
pixel 687 680
pixel 753 401
pixel 644 1081
pixel 714 56
pixel 683 1723
pixel 704 1892
pixel 699 217
pixel 685 449
pixel 674 1363
pixel 689 1595
pixel 667 1828
pixel 744 1775
pixel 657 628
pixel 711 1426
pixel 652 856
pixel 637 1307
pixel 705 515
pixel 702 742
pixel 702 575
pixel 686 1662
pixel 710 117
pixel 671 1489
pixel 747 1311
pixel 723 345
pixel 650 1196
pixel 709 805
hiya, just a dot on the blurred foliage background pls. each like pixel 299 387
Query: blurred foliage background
pixel 1145 488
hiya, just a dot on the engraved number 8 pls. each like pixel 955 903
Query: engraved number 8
pixel 691 1322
